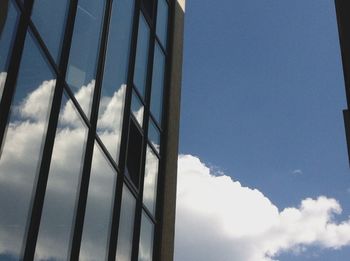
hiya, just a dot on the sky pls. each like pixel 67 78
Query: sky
pixel 262 132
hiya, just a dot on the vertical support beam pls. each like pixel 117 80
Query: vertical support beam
pixel 168 199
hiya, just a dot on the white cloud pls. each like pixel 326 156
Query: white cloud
pixel 297 172
pixel 3 76
pixel 219 219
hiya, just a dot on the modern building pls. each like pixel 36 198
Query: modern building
pixel 89 117
pixel 343 15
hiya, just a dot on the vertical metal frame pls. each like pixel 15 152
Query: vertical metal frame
pixel 24 26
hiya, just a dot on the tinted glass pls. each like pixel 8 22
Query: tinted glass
pixel 98 209
pixel 8 21
pixel 150 181
pixel 154 135
pixel 137 108
pixel 81 72
pixel 157 83
pixel 63 183
pixel 21 151
pixel 146 239
pixel 126 226
pixel 115 76
pixel 141 61
pixel 49 16
pixel 162 22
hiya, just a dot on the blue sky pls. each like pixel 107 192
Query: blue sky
pixel 262 100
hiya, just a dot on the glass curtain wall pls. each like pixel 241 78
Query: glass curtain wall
pixel 82 87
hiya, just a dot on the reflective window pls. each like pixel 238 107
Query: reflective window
pixel 137 108
pixel 154 135
pixel 162 22
pixel 98 209
pixel 157 83
pixel 146 239
pixel 115 76
pixel 63 183
pixel 22 148
pixel 83 57
pixel 49 16
pixel 8 21
pixel 150 181
pixel 126 226
pixel 140 74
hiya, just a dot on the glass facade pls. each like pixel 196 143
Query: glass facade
pixel 82 87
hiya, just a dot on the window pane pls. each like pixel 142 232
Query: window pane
pixel 21 151
pixel 63 183
pixel 137 108
pixel 157 83
pixel 126 226
pixel 98 209
pixel 49 16
pixel 8 23
pixel 146 239
pixel 162 21
pixel 81 72
pixel 133 164
pixel 115 76
pixel 154 135
pixel 141 61
pixel 150 182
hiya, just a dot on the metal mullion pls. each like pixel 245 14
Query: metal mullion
pixel 13 68
pixel 135 89
pixel 161 45
pixel 139 204
pixel 124 140
pixel 43 48
pixel 38 199
pixel 85 179
pixel 149 214
pixel 155 121
pixel 164 133
pixel 153 149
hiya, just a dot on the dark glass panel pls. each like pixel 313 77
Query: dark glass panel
pixel 157 83
pixel 150 181
pixel 63 183
pixel 126 226
pixel 115 76
pixel 137 108
pixel 146 239
pixel 8 22
pixel 98 209
pixel 81 72
pixel 140 74
pixel 162 21
pixel 133 164
pixel 22 148
pixel 154 135
pixel 49 16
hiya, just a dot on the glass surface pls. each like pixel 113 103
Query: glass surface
pixel 162 21
pixel 49 16
pixel 126 226
pixel 137 108
pixel 150 181
pixel 99 209
pixel 157 83
pixel 111 109
pixel 140 74
pixel 81 71
pixel 61 193
pixel 8 23
pixel 146 239
pixel 22 148
pixel 154 135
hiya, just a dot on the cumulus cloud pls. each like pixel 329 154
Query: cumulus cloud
pixel 219 219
